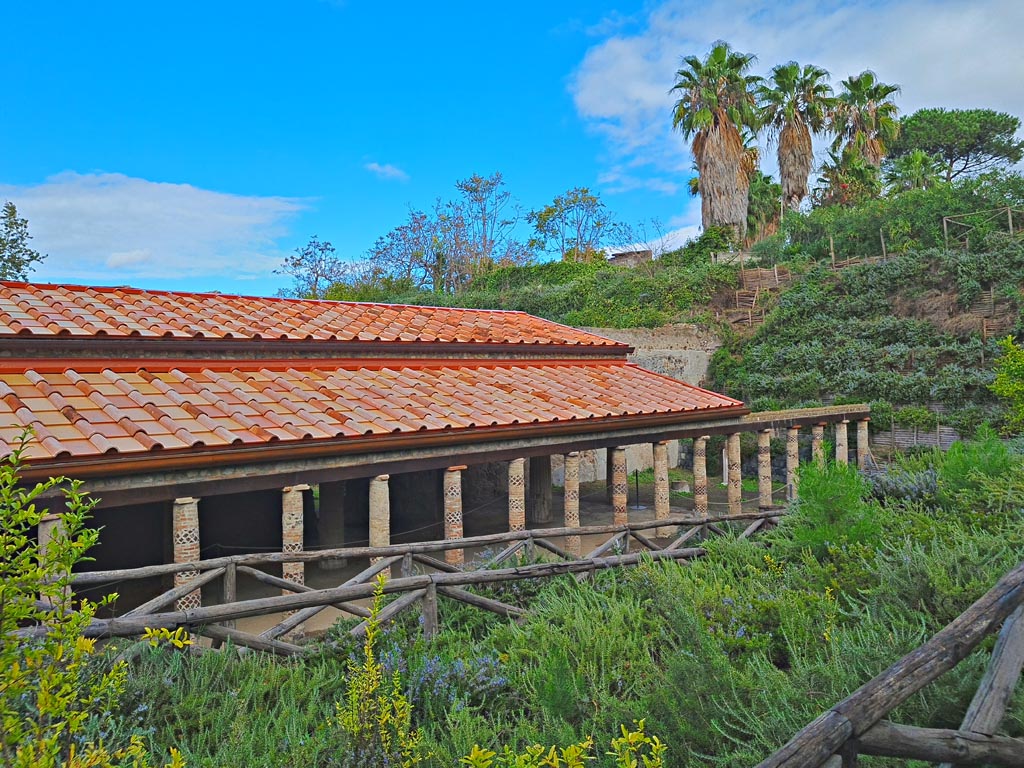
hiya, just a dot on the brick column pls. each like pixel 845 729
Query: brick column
pixel 661 497
pixel 817 442
pixel 291 531
pixel 735 488
pixel 572 501
pixel 380 516
pixel 792 460
pixel 764 468
pixel 453 513
pixel 620 487
pixel 517 495
pixel 863 446
pixel 700 476
pixel 842 444
pixel 185 535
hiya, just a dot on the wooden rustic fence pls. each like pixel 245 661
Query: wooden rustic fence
pixel 858 725
pixel 421 578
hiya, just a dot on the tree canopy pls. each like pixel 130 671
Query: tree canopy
pixel 16 257
pixel 968 141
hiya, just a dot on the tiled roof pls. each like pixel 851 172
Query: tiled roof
pixel 82 408
pixel 37 310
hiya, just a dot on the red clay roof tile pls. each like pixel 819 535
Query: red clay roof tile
pixel 120 407
pixel 68 310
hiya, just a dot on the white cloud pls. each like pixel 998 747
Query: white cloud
pixel 115 228
pixel 942 53
pixel 387 171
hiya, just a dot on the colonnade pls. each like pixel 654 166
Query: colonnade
pixel 185 516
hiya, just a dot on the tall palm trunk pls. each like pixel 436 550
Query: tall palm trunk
pixel 724 186
pixel 796 156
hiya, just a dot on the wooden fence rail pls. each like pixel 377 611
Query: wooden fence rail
pixel 857 724
pixel 303 602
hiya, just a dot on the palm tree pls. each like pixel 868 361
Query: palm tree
pixel 914 170
pixel 864 119
pixel 716 100
pixel 795 102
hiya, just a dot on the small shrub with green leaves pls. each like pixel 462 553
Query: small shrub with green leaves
pixel 375 716
pixel 52 687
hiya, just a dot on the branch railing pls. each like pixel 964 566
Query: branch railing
pixel 857 725
pixel 437 577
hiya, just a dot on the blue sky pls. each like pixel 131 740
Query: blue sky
pixel 190 146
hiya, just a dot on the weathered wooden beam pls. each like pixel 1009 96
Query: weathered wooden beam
pixel 873 701
pixel 486 603
pixel 437 565
pixel 92 578
pixel 988 707
pixel 125 627
pixel 222 634
pixel 428 605
pixel 166 598
pixel 291 622
pixel 544 544
pixel 651 545
pixel 752 528
pixel 296 588
pixel 937 744
pixel 685 537
pixel 389 611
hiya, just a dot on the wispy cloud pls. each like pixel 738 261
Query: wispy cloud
pixel 115 228
pixel 387 171
pixel 943 53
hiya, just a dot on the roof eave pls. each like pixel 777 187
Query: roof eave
pixel 189 458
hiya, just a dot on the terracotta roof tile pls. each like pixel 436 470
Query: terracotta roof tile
pixel 68 310
pixel 122 408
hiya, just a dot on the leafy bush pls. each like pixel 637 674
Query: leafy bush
pixel 53 691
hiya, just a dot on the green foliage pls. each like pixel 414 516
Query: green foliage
pixel 375 716
pixel 575 225
pixel 831 511
pixel 16 257
pixel 966 465
pixel 968 141
pixel 51 691
pixel 1009 381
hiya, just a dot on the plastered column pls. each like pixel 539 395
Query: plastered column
pixel 540 490
pixel 572 501
pixel 792 460
pixel 661 497
pixel 185 535
pixel 735 488
pixel 620 512
pixel 818 442
pixel 380 516
pixel 700 476
pixel 764 468
pixel 291 531
pixel 49 528
pixel 453 513
pixel 517 495
pixel 842 443
pixel 863 446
